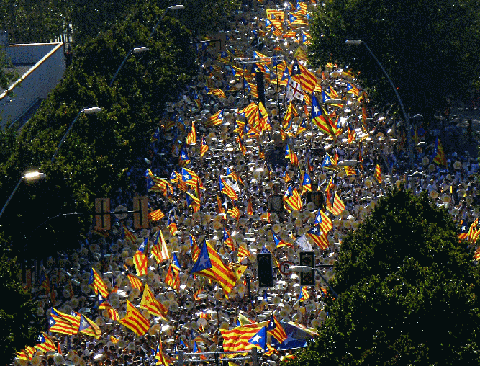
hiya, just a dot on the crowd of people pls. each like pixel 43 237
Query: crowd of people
pixel 220 162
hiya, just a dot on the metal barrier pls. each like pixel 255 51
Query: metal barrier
pixel 253 357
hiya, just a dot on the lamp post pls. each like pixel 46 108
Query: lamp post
pixel 358 42
pixel 173 7
pixel 30 176
pixel 91 110
pixel 35 175
pixel 137 50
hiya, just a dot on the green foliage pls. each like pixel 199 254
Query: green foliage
pixel 407 292
pixel 100 149
pixel 427 47
pixel 202 16
pixel 43 20
pixel 18 323
pixel 33 21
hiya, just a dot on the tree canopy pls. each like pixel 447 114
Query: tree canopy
pixel 103 152
pixel 43 20
pixel 427 47
pixel 407 292
pixel 18 320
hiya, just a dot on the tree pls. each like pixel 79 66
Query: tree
pixel 102 152
pixel 19 325
pixel 204 16
pixel 408 292
pixel 427 47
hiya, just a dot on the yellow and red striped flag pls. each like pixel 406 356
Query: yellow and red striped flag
pixel 378 173
pixel 476 255
pixel 273 14
pixel 129 236
pixel 135 282
pixel 192 136
pixel 97 284
pixel 265 216
pixel 227 240
pixel 140 259
pixel 250 207
pixel 242 147
pixel 197 293
pixel 226 189
pixel 194 249
pixel 63 323
pixel 89 327
pixel 220 205
pixel 242 253
pixel 112 313
pixel 217 92
pixel 306 79
pixel 349 170
pixel 210 265
pixel 319 237
pixel 217 118
pixel 172 279
pixel 203 147
pixel 471 229
pixel 338 206
pixel 46 344
pixel 156 215
pixel 135 321
pixel 160 249
pixel 23 355
pixel 150 303
pixel 276 330
pixel 292 200
pixel 161 358
pixel 237 339
pixel 304 294
pixel 234 212
pixel 290 154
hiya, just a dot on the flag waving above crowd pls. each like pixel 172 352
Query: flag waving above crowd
pixel 278 170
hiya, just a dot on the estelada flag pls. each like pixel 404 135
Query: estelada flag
pixel 135 321
pixel 140 259
pixel 203 147
pixel 211 266
pixel 237 339
pixel 46 344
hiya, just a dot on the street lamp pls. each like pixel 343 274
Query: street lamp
pixel 358 42
pixel 34 175
pixel 91 110
pixel 173 7
pixel 137 50
pixel 134 50
pixel 29 176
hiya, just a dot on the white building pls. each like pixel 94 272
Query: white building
pixel 40 67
